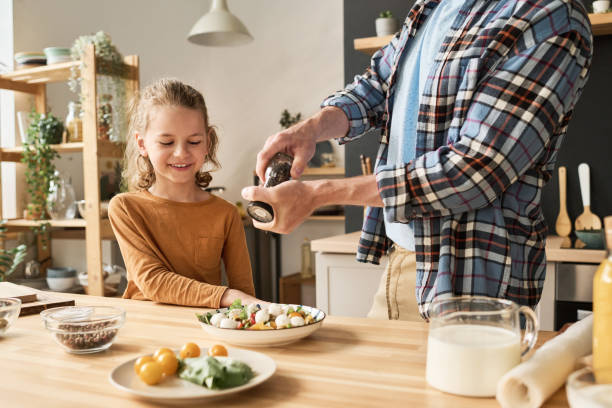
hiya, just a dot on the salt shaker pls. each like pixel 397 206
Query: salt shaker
pixel 278 171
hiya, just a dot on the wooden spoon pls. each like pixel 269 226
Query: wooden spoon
pixel 564 224
pixel 587 220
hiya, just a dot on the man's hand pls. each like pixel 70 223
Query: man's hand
pixel 299 140
pixel 293 201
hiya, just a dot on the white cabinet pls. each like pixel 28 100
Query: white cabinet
pixel 346 287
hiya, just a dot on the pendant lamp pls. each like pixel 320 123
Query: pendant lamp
pixel 219 28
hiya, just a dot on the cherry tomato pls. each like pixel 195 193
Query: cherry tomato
pixel 296 314
pixel 161 351
pixel 190 350
pixel 252 318
pixel 217 350
pixel 151 373
pixel 140 362
pixel 168 362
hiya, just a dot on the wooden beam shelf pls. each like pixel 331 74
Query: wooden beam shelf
pixel 601 25
pixel 323 171
pixel 326 218
pixel 106 148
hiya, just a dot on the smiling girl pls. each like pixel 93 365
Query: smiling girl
pixel 173 234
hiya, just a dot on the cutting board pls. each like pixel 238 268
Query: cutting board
pixel 24 293
pixel 36 300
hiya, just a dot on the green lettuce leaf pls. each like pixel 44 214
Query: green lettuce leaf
pixel 215 373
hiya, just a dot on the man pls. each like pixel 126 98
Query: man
pixel 473 99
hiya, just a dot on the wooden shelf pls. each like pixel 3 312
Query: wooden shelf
pixel 24 79
pixel 106 148
pixel 370 45
pixel 326 218
pixel 76 227
pixel 601 25
pixel 323 171
pixel 42 75
pixel 290 288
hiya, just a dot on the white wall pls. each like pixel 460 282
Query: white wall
pixel 294 62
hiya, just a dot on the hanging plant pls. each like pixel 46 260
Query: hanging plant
pixel 38 156
pixel 9 258
pixel 110 86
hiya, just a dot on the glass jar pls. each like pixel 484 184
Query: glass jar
pixel 61 202
pixel 105 116
pixel 74 124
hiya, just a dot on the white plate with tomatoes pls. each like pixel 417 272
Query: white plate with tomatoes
pixel 172 389
pixel 261 334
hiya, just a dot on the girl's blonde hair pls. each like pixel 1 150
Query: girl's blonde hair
pixel 138 172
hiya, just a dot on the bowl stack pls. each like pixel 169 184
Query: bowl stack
pixel 55 55
pixel 26 60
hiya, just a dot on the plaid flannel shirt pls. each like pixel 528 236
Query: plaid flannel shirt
pixel 491 120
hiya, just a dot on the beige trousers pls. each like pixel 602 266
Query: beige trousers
pixel 395 298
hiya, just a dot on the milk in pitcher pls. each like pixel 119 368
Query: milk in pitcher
pixel 469 359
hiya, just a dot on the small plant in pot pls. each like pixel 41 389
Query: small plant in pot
pixel 38 156
pixel 9 258
pixel 386 24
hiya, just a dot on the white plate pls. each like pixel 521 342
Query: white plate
pixel 266 338
pixel 176 390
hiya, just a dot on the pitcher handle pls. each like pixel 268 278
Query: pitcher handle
pixel 531 330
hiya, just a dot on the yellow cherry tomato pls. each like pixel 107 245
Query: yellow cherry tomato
pixel 217 350
pixel 190 350
pixel 168 362
pixel 295 314
pixel 151 373
pixel 161 351
pixel 140 362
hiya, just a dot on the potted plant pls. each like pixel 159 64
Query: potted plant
pixel 9 258
pixel 601 6
pixel 38 156
pixel 386 24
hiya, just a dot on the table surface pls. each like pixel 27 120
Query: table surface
pixel 349 362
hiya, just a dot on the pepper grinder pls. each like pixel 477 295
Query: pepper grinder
pixel 277 172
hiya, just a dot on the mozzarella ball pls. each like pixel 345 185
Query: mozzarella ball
pixel 275 309
pixel 262 316
pixel 297 321
pixel 282 321
pixel 252 308
pixel 216 319
pixel 228 324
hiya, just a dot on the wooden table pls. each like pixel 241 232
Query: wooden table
pixel 349 362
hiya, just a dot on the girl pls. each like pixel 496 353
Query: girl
pixel 171 232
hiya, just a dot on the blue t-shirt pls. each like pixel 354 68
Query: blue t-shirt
pixel 411 77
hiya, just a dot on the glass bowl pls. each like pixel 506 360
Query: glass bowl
pixel 583 391
pixel 9 312
pixel 84 329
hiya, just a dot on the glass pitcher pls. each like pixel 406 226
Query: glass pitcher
pixel 61 202
pixel 473 341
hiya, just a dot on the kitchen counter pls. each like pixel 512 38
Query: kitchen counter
pixel 348 362
pixel 347 244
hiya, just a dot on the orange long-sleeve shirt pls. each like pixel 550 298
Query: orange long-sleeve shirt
pixel 173 250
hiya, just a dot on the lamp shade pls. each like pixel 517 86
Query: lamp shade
pixel 219 28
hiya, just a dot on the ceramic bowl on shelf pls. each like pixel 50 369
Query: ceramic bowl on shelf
pixel 56 55
pixel 584 391
pixel 60 279
pixel 593 239
pixel 83 329
pixel 9 311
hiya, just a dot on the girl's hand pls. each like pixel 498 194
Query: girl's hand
pixel 232 294
pixel 292 201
